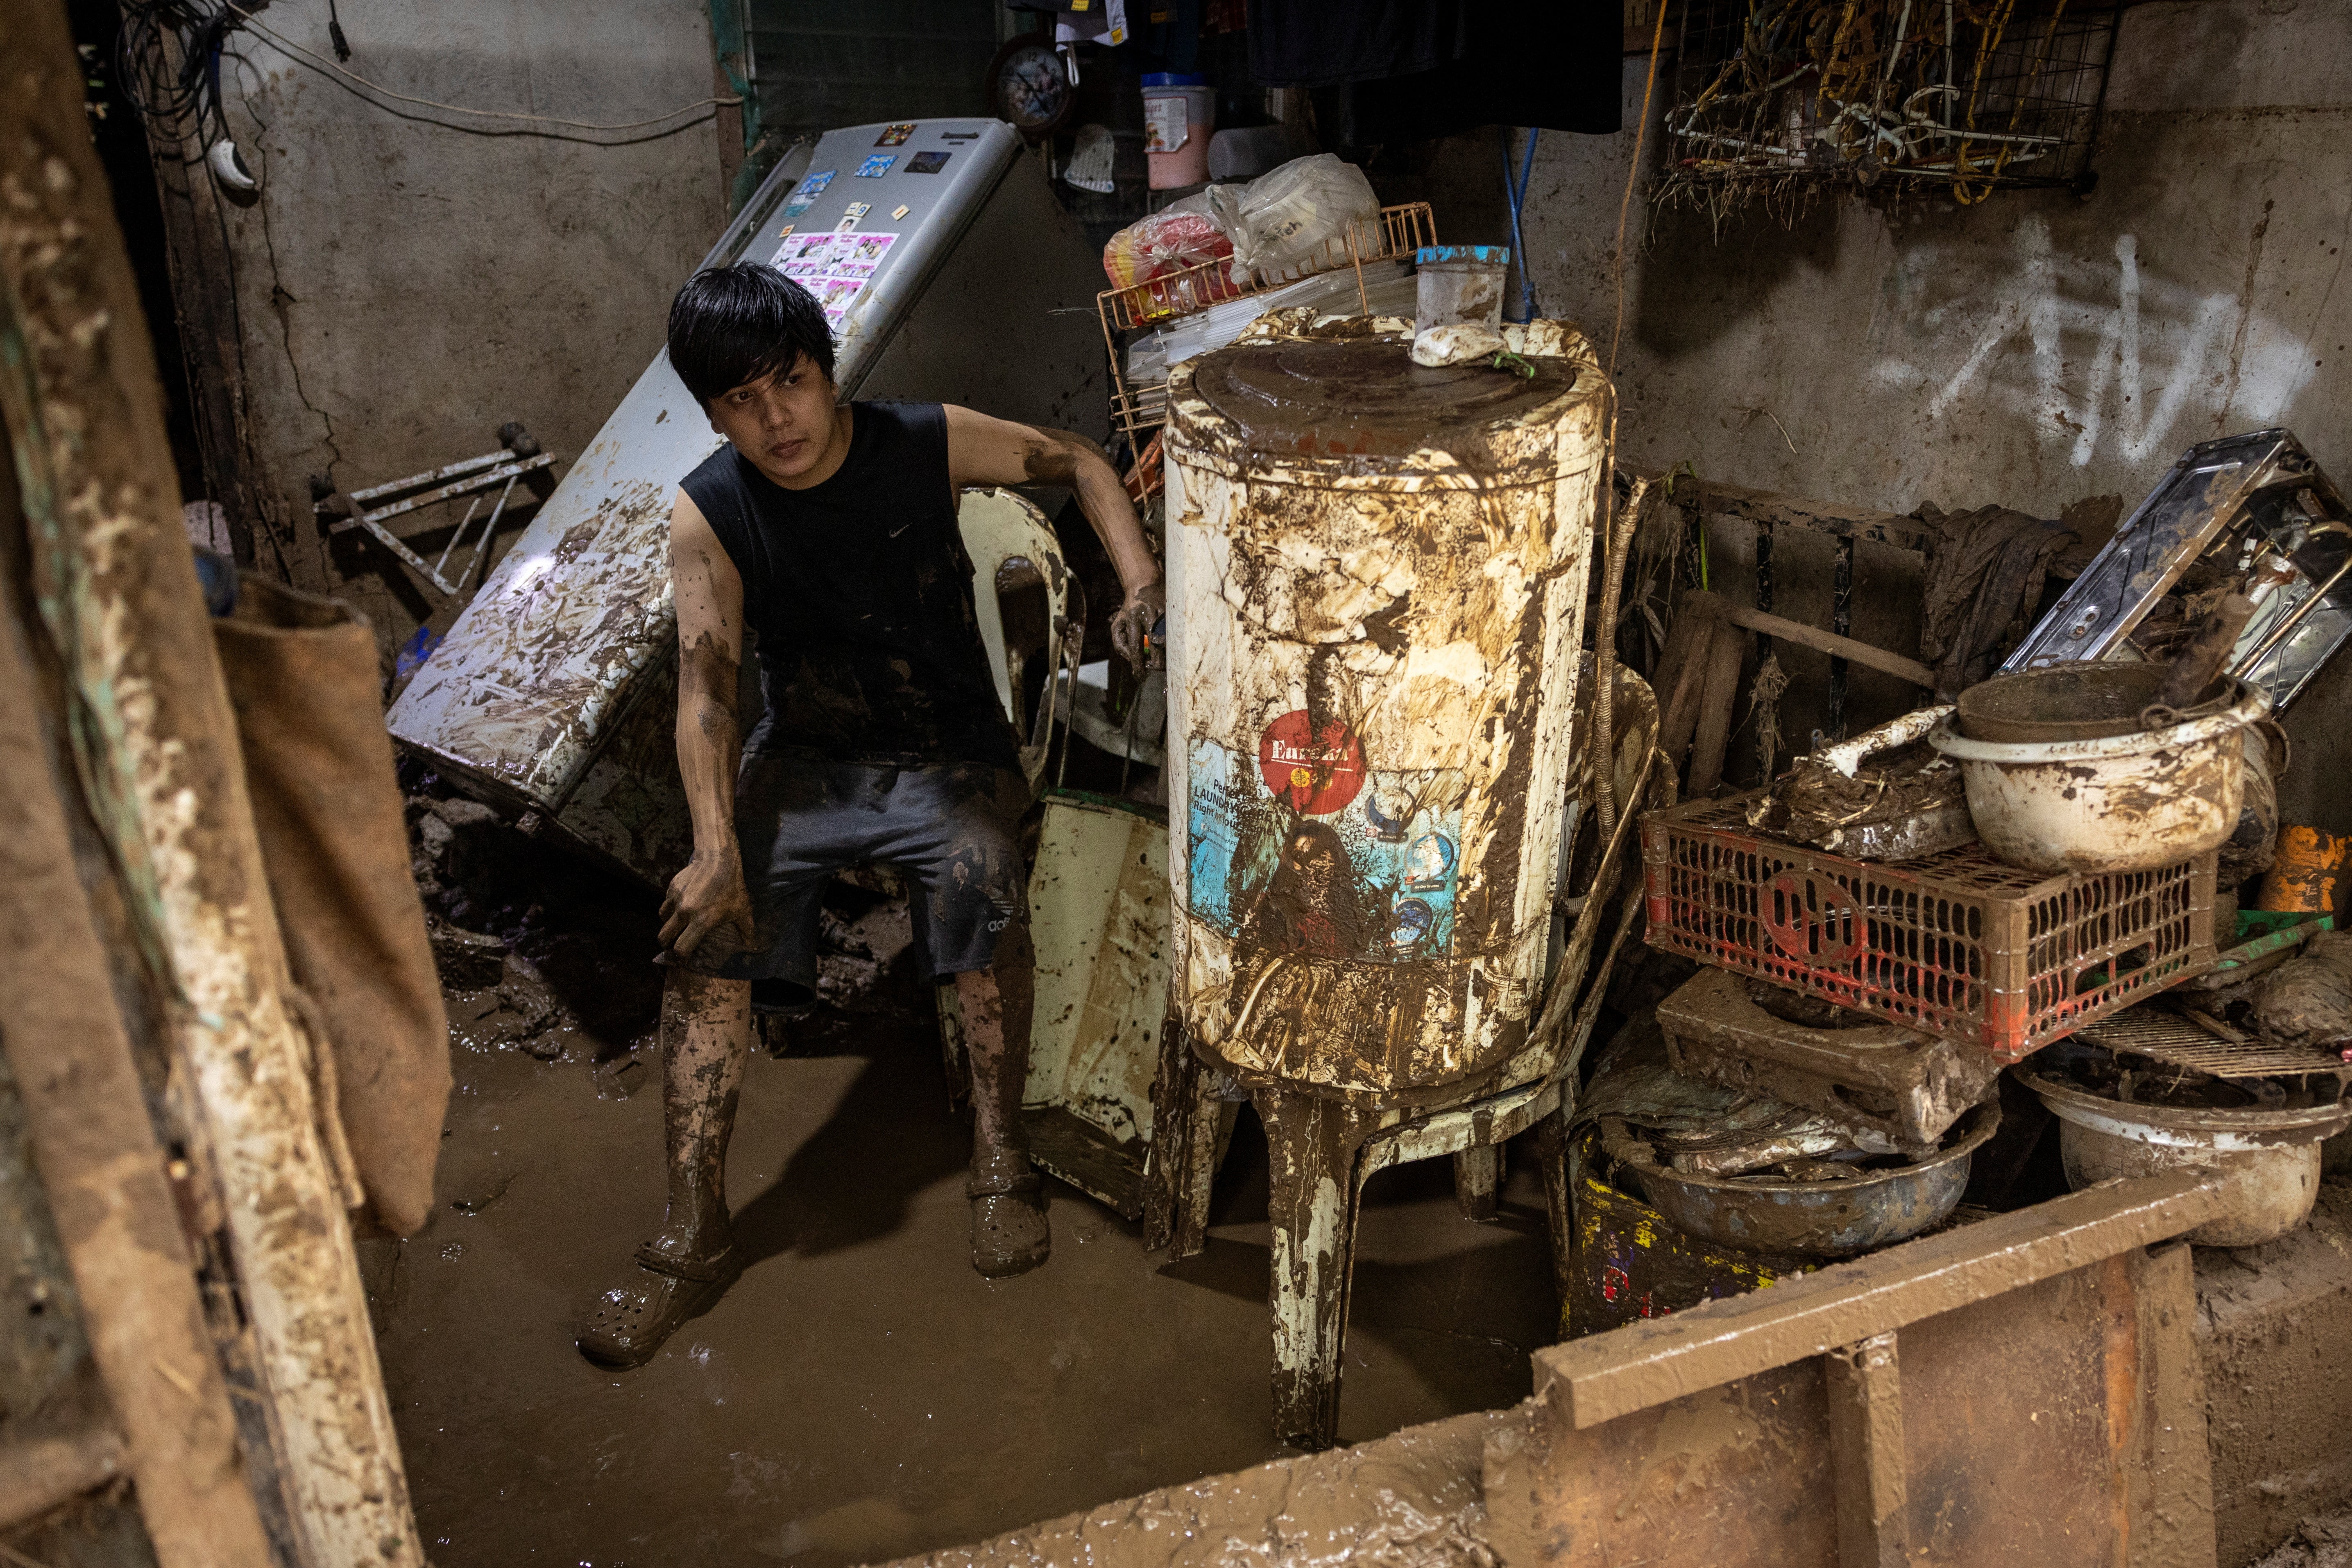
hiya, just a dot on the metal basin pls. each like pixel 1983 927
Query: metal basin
pixel 1821 1219
pixel 2136 801
pixel 2266 1160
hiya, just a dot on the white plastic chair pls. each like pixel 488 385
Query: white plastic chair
pixel 1003 529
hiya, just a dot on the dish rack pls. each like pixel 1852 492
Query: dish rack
pixel 1137 409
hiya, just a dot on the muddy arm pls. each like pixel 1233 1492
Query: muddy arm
pixel 982 450
pixel 710 892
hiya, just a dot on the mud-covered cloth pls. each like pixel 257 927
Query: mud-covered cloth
pixel 1984 581
pixel 304 679
pixel 861 595
pixel 799 817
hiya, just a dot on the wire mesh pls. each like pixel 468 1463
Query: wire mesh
pixel 1780 98
pixel 1139 407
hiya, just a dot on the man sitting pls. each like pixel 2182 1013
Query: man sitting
pixel 830 529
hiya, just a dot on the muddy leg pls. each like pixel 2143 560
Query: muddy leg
pixel 706 1035
pixel 1477 1178
pixel 1009 1229
pixel 1552 1151
pixel 1313 1144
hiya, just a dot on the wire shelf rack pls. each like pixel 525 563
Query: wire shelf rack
pixel 1138 408
pixel 1780 98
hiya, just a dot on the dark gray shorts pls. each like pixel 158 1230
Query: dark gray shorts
pixel 953 830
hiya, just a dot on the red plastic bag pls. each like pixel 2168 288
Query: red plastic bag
pixel 1180 235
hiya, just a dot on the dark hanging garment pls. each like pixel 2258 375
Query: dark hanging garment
pixel 1557 66
pixel 1315 43
pixel 860 593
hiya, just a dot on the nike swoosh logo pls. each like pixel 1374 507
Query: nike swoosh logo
pixel 899 530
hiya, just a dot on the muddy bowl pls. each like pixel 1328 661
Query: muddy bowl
pixel 2090 802
pixel 1821 1219
pixel 2265 1162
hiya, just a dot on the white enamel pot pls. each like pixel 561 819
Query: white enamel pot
pixel 2133 801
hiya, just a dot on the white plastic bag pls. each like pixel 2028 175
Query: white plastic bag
pixel 1279 220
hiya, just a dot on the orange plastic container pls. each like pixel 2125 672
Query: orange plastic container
pixel 2303 880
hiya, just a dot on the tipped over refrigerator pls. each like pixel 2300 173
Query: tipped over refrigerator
pixel 949 273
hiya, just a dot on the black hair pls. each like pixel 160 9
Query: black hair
pixel 734 325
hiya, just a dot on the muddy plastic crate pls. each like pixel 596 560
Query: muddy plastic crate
pixel 1956 943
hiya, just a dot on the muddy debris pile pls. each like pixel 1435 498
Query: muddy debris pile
pixel 541 953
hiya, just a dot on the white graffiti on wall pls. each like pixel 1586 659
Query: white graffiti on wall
pixel 2112 355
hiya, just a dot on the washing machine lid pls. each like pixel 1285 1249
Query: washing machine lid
pixel 1365 396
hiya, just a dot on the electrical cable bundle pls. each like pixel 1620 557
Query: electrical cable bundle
pixel 172 94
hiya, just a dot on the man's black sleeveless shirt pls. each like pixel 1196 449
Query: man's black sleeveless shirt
pixel 861 596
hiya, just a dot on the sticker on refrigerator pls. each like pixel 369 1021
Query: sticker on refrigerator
pixel 794 209
pixel 865 251
pixel 1371 877
pixel 805 250
pixel 815 184
pixel 901 210
pixel 875 167
pixel 895 135
pixel 928 163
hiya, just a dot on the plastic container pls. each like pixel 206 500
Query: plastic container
pixel 1180 113
pixel 2302 880
pixel 1459 285
pixel 1957 943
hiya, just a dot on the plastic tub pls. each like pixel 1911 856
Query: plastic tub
pixel 1459 285
pixel 1180 113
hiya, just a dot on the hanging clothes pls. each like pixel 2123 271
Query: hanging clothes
pixel 1312 43
pixel 1557 67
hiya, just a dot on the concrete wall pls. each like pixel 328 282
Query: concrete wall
pixel 411 279
pixel 2032 350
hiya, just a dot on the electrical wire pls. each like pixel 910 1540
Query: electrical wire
pixel 325 64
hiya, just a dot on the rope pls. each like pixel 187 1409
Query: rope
pixel 290 46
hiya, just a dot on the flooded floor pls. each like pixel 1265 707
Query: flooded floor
pixel 861 1394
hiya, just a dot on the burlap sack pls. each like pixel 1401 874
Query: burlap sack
pixel 303 677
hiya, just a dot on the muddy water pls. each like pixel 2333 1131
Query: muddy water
pixel 861 1394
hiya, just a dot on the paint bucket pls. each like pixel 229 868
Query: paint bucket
pixel 1458 285
pixel 1179 114
pixel 1376 598
pixel 2302 880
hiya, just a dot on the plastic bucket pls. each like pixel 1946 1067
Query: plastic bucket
pixel 1180 112
pixel 1459 285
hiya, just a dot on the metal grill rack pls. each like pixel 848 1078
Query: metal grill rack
pixel 1776 97
pixel 1137 409
pixel 2211 1048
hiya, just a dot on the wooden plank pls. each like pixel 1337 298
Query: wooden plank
pixel 1861 653
pixel 1649 1364
pixel 1717 699
pixel 1682 672
pixel 1865 1385
pixel 1767 510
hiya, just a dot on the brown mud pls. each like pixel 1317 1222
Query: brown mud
pixel 860 1393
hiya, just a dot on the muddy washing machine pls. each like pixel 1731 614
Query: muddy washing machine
pixel 1376 580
